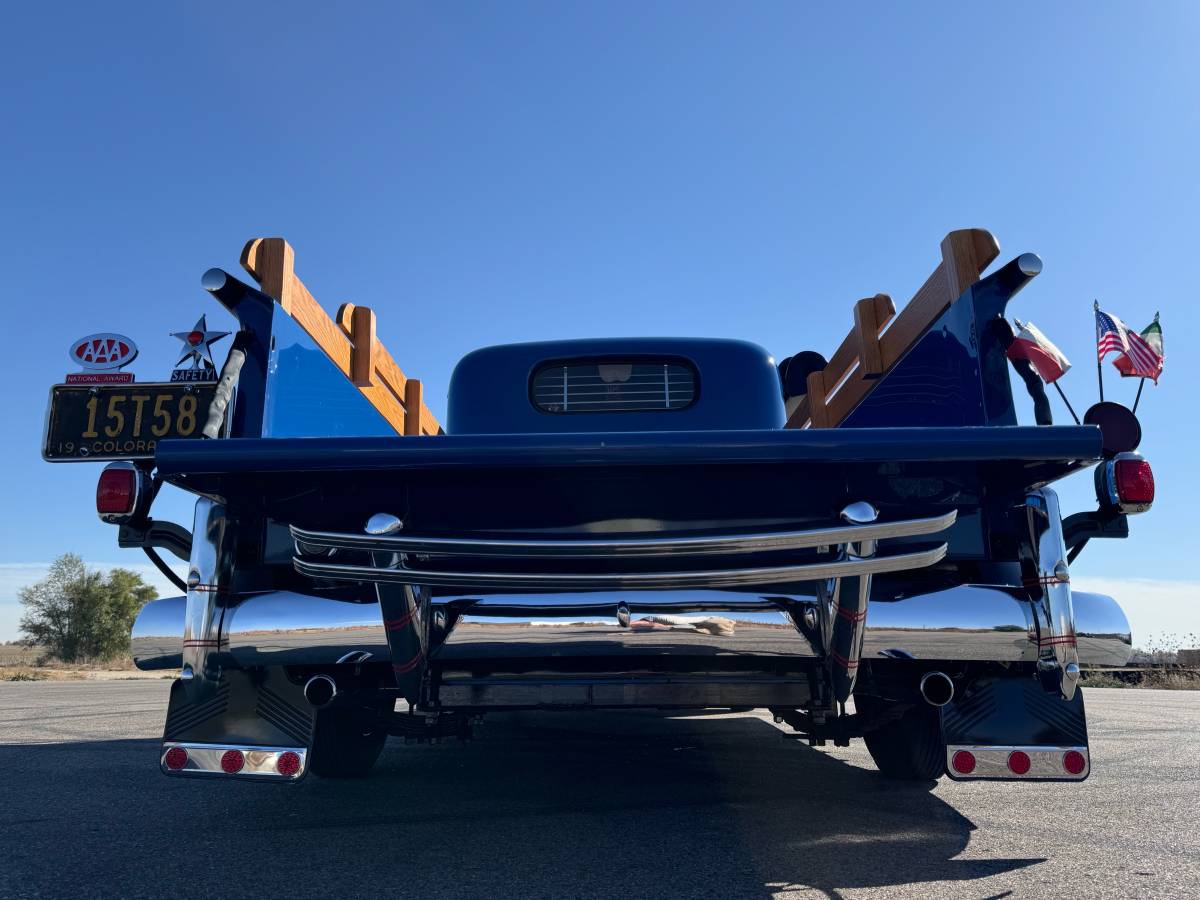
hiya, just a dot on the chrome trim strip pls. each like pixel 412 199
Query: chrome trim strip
pixel 625 580
pixel 991 762
pixel 1059 655
pixel 209 572
pixel 589 547
pixel 205 759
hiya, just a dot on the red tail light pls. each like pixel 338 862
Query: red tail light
pixel 1125 483
pixel 288 763
pixel 232 761
pixel 1019 762
pixel 176 758
pixel 122 492
pixel 116 492
pixel 1074 762
pixel 963 762
pixel 1135 481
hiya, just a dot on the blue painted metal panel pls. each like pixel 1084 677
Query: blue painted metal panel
pixel 935 384
pixel 956 374
pixel 288 386
pixel 308 396
pixel 883 445
pixel 738 388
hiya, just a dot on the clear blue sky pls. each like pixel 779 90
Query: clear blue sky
pixel 481 173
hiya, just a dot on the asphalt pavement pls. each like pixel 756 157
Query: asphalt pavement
pixel 620 805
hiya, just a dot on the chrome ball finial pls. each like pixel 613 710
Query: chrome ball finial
pixel 383 523
pixel 860 513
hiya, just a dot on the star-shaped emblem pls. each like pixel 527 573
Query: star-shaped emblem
pixel 197 344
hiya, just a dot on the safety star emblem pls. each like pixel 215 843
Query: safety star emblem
pixel 197 344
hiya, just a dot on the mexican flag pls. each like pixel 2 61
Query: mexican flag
pixel 1145 356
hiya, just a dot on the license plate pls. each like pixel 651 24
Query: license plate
pixel 125 421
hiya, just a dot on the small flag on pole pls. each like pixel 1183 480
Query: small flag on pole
pixel 1144 358
pixel 1030 344
pixel 1138 355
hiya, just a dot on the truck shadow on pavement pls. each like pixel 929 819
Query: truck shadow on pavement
pixel 545 805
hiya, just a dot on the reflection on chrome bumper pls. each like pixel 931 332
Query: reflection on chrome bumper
pixel 157 638
pixel 966 623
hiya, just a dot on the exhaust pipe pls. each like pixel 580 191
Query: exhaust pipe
pixel 935 687
pixel 320 690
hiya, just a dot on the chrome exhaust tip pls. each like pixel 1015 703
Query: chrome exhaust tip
pixel 320 690
pixel 936 688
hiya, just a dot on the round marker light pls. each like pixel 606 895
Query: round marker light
pixel 195 337
pixel 288 763
pixel 175 759
pixel 1019 762
pixel 963 762
pixel 1074 762
pixel 232 762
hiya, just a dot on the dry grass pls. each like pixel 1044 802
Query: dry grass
pixel 19 663
pixel 1166 678
pixel 19 655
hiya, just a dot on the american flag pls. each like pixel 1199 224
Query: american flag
pixel 1137 358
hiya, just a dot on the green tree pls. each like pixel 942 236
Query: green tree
pixel 80 613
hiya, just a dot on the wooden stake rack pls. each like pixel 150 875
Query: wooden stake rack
pixel 877 341
pixel 880 338
pixel 348 339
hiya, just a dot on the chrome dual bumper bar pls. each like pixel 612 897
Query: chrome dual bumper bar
pixel 624 547
pixel 964 623
pixel 644 581
pixel 461 551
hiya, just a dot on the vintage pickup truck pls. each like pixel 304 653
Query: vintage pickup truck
pixel 868 547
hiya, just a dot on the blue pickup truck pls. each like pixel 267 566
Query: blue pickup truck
pixel 867 546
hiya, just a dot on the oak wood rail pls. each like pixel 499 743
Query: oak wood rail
pixel 880 338
pixel 349 341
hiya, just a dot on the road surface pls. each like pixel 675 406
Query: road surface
pixel 610 805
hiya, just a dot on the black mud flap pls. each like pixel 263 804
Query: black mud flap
pixel 254 724
pixel 1012 729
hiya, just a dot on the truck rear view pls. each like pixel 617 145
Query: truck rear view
pixel 867 546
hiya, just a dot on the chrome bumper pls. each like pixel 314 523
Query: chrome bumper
pixel 461 562
pixel 965 623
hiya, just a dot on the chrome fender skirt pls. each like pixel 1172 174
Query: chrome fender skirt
pixel 966 623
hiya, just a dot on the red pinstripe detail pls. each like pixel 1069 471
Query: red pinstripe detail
pixel 410 665
pixel 1043 580
pixel 397 624
pixel 1063 639
pixel 842 661
pixel 851 616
